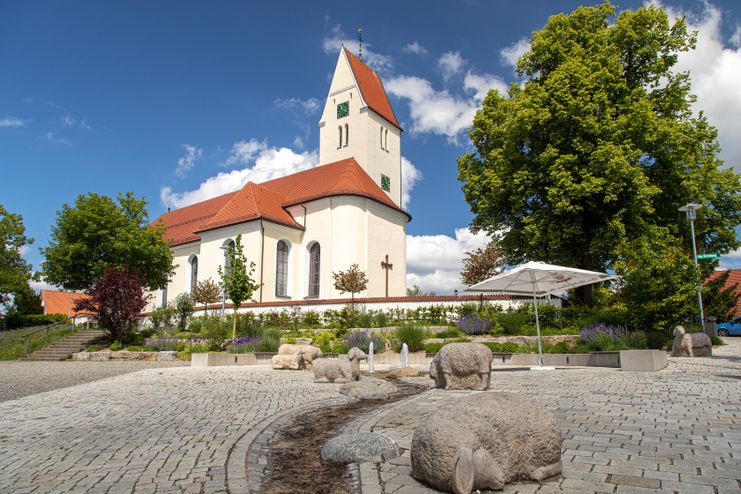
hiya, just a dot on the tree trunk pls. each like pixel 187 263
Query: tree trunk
pixel 585 295
pixel 234 325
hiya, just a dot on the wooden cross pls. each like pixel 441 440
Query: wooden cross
pixel 387 266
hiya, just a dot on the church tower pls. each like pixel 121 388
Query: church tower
pixel 358 122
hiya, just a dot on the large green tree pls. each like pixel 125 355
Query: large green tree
pixel 97 233
pixel 598 147
pixel 14 270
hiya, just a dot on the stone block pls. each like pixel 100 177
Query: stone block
pixel 246 359
pixel 99 356
pixel 213 359
pixel 167 356
pixel 642 360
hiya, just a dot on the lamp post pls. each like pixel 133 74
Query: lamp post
pixel 223 290
pixel 691 210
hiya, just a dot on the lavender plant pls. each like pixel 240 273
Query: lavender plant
pixel 162 343
pixel 362 340
pixel 593 332
pixel 473 324
pixel 244 344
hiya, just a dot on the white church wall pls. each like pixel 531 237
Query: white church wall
pixel 384 159
pixel 386 235
pixel 273 234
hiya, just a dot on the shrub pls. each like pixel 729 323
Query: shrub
pixel 433 347
pixel 448 333
pixel 325 341
pixel 249 325
pixel 133 348
pixel 312 319
pixel 216 332
pixel 473 324
pixel 162 344
pixel 268 340
pixel 362 340
pixel 411 334
pixel 511 322
pixel 161 317
pixel 244 344
pixel 184 308
pixel 364 320
pixel 717 341
pixel 15 320
pixel 381 319
pixel 92 348
pixel 116 346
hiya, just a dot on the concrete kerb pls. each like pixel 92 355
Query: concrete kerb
pixel 237 478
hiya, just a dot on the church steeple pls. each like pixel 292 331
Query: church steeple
pixel 358 122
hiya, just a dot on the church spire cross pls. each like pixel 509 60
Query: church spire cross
pixel 387 266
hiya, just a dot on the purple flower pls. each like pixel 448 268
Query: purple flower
pixel 473 324
pixel 590 333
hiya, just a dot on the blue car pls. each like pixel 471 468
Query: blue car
pixel 731 328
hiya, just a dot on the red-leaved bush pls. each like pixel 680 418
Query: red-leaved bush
pixel 118 299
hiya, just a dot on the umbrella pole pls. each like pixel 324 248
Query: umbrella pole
pixel 537 327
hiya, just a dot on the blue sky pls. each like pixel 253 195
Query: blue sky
pixel 178 101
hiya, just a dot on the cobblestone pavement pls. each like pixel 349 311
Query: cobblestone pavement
pixel 157 430
pixel 23 378
pixel 677 430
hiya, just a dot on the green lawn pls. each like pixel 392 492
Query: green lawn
pixel 13 342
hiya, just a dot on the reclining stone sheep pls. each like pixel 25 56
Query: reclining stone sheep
pixel 484 441
pixel 462 366
pixel 333 369
pixel 295 357
pixel 691 344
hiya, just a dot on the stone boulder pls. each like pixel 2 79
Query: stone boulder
pixel 368 389
pixel 400 372
pixel 295 357
pixel 691 344
pixel 341 368
pixel 485 441
pixel 462 366
pixel 361 447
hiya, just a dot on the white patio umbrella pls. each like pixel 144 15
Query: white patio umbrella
pixel 538 279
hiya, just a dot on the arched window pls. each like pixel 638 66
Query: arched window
pixel 347 134
pixel 281 270
pixel 386 140
pixel 314 269
pixel 193 272
pixel 164 296
pixel 339 129
pixel 225 246
pixel 381 137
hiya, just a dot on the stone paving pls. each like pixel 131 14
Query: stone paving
pixel 194 429
pixel 157 430
pixel 678 430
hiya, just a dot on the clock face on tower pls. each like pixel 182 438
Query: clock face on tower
pixel 343 109
pixel 385 183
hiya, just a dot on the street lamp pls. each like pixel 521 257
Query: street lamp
pixel 691 210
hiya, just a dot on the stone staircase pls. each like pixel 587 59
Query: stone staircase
pixel 63 349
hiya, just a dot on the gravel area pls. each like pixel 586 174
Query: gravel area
pixel 19 379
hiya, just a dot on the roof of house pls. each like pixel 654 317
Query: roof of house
pixel 371 88
pixel 734 278
pixel 268 200
pixel 59 302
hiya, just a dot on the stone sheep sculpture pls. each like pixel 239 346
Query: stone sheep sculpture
pixel 295 357
pixel 485 441
pixel 346 369
pixel 462 366
pixel 691 344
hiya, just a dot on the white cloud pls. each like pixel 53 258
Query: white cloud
pixel 332 44
pixel 451 63
pixel 52 137
pixel 244 152
pixel 42 285
pixel 12 122
pixel 308 106
pixel 410 175
pixel 414 48
pixel 715 72
pixel 511 54
pixel 269 163
pixel 732 260
pixel 437 112
pixel 434 262
pixel 188 161
pixel 736 37
pixel 298 142
pixel 480 84
pixel 68 121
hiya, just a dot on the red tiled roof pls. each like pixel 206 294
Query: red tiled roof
pixel 734 278
pixel 269 200
pixel 371 88
pixel 58 302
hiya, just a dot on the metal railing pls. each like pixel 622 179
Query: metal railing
pixel 45 329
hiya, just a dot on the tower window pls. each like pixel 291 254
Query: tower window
pixel 281 270
pixel 381 136
pixel 339 129
pixel 314 269
pixel 347 134
pixel 386 140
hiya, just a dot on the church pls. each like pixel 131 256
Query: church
pixel 301 228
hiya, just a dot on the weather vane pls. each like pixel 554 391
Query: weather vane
pixel 360 43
